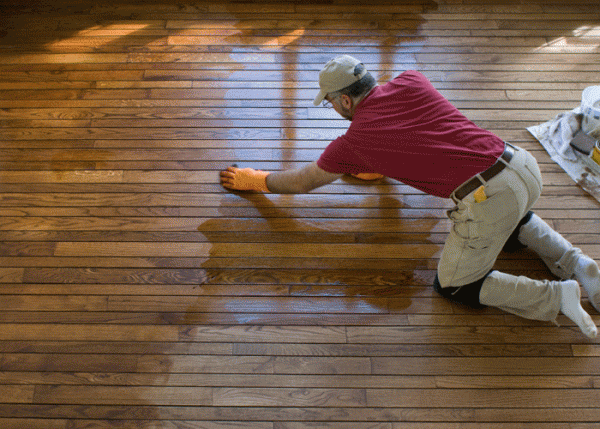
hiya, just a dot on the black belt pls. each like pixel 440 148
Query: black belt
pixel 475 183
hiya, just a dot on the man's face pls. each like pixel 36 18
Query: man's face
pixel 338 105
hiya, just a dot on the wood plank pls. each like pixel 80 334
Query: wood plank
pixel 338 414
pixel 242 249
pixel 242 397
pixel 124 395
pixel 83 332
pixel 16 394
pixel 480 397
pixel 11 274
pixel 386 334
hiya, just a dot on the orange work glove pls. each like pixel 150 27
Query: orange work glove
pixel 244 179
pixel 368 176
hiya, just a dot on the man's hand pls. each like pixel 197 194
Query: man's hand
pixel 244 179
pixel 368 176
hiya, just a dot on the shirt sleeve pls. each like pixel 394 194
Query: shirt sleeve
pixel 339 158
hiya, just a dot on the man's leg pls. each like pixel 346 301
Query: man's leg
pixel 537 299
pixel 479 232
pixel 466 295
pixel 524 297
pixel 562 258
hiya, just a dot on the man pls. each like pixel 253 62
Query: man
pixel 408 131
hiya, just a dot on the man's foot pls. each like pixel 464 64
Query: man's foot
pixel 570 306
pixel 588 275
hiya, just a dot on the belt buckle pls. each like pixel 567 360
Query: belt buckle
pixel 510 149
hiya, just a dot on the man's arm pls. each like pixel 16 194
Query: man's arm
pixel 298 181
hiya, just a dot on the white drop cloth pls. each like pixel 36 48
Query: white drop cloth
pixel 556 136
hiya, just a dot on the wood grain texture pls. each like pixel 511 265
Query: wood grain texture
pixel 137 293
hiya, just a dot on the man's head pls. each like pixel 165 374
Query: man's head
pixel 346 80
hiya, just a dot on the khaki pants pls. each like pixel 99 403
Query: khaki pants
pixel 480 230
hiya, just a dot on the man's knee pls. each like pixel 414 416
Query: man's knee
pixel 513 244
pixel 467 294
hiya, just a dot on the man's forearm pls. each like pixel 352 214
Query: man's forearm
pixel 299 181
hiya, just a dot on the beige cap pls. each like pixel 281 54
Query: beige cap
pixel 337 74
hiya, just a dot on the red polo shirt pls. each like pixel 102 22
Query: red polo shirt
pixel 406 130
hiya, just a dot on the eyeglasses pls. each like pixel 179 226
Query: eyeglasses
pixel 329 103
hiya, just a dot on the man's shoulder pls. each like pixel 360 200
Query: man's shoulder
pixel 409 75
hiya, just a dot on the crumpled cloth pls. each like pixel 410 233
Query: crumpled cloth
pixel 556 136
pixel 561 131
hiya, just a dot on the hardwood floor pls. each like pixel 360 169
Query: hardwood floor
pixel 138 293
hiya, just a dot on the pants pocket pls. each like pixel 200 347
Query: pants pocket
pixel 465 260
pixel 464 225
pixel 534 170
pixel 467 230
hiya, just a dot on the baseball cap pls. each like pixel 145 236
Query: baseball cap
pixel 337 74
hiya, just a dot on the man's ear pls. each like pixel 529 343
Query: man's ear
pixel 346 101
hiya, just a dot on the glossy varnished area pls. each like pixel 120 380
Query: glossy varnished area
pixel 135 292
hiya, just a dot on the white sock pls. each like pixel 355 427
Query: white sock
pixel 588 275
pixel 570 306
